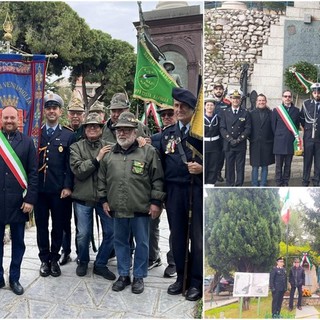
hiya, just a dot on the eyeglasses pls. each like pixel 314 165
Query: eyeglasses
pixel 76 113
pixel 124 130
pixel 93 126
pixel 286 96
pixel 168 114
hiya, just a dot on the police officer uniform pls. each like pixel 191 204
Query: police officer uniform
pixel 310 121
pixel 175 154
pixel 54 175
pixel 278 286
pixel 235 127
pixel 213 146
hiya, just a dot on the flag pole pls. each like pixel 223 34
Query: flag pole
pixel 287 236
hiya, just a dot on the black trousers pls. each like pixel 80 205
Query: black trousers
pixel 277 297
pixel 283 169
pixel 212 166
pixel 292 291
pixel 311 153
pixel 177 205
pixel 66 239
pixel 235 161
pixel 49 204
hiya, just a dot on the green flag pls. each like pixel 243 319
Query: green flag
pixel 152 83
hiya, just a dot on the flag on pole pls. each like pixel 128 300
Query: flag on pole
pixel 195 138
pixel 22 86
pixel 152 83
pixel 285 211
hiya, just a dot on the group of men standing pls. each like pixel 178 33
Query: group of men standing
pixel 109 167
pixel 273 137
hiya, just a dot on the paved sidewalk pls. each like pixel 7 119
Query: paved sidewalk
pixel 307 312
pixel 70 296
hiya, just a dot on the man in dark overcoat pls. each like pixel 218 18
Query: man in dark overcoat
pixel 179 170
pixel 283 145
pixel 261 142
pixel 16 201
pixel 235 127
pixel 297 280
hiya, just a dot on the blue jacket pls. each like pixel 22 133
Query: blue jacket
pixel 11 197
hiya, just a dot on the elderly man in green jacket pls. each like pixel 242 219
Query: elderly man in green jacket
pixel 130 187
pixel 85 157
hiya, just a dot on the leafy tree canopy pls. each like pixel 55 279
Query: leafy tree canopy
pixel 242 231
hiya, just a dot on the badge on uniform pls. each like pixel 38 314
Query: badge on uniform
pixel 60 149
pixel 171 144
pixel 242 119
pixel 137 167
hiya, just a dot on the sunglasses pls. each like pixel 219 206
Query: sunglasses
pixel 287 96
pixel 168 114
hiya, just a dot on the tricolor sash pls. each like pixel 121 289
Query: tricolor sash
pixel 13 162
pixel 297 144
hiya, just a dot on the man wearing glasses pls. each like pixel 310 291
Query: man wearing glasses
pixel 285 121
pixel 310 121
pixel 130 187
pixel 278 286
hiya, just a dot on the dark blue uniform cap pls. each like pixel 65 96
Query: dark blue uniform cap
pixel 280 258
pixel 185 96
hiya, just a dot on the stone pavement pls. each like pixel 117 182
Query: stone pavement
pixel 307 312
pixel 71 297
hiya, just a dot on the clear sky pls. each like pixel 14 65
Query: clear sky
pixel 115 17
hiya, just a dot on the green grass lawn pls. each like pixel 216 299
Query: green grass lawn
pixel 232 311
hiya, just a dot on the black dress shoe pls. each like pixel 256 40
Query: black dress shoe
pixel 193 294
pixel 2 283
pixel 121 283
pixel 104 272
pixel 44 269
pixel 219 178
pixel 137 285
pixel 175 288
pixel 65 258
pixel 55 269
pixel 16 287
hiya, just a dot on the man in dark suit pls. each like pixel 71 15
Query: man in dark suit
pixel 297 280
pixel 179 170
pixel 261 142
pixel 55 185
pixel 15 206
pixel 235 127
pixel 310 121
pixel 284 137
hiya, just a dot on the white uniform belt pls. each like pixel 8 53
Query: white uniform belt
pixel 211 138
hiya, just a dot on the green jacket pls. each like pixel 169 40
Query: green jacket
pixel 85 167
pixel 130 180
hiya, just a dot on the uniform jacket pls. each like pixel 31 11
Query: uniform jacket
pixel 11 197
pixel 220 106
pixel 212 130
pixel 109 134
pixel 54 167
pixel 283 138
pixel 130 180
pixel 297 277
pixel 235 127
pixel 278 279
pixel 261 138
pixel 84 166
pixel 175 170
pixel 308 111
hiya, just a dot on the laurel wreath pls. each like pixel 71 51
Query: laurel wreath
pixel 308 70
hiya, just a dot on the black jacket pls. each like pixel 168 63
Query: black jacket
pixel 297 277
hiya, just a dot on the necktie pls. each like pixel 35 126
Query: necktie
pixel 235 111
pixel 183 131
pixel 50 132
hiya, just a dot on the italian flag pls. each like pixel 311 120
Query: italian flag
pixel 285 211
